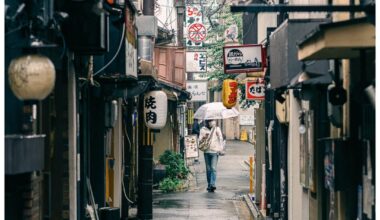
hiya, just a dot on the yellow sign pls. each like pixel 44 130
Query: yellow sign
pixel 229 93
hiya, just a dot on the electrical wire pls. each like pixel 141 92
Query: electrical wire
pixel 168 16
pixel 117 53
pixel 16 29
pixel 60 34
pixel 123 169
pixel 250 26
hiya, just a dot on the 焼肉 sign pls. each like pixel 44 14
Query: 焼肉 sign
pixel 243 58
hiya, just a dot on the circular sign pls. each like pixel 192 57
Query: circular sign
pixel 197 32
pixel 235 56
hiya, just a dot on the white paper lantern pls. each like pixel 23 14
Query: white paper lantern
pixel 31 77
pixel 155 109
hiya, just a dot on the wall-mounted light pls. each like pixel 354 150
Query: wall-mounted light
pixel 279 97
pixel 302 127
pixel 31 77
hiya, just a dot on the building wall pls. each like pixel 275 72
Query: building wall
pixel 298 203
pixel 167 16
pixel 307 14
pixel 259 152
pixel 265 20
pixel 248 128
pixel 164 139
pixel 118 151
pixel 345 73
pixel 339 16
pixel 229 128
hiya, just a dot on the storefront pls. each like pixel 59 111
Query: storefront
pixel 351 143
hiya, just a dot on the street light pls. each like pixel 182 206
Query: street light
pixel 302 127
pixel 31 78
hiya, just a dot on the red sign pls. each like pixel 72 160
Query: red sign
pixel 255 89
pixel 197 32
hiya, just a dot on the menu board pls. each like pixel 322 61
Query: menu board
pixel 191 146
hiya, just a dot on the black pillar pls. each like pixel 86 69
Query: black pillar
pixel 145 198
pixel 148 7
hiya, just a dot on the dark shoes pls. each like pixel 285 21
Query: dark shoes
pixel 211 189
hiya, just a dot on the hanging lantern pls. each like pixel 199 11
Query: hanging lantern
pixel 31 77
pixel 229 93
pixel 155 109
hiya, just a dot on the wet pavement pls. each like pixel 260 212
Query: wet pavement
pixel 225 203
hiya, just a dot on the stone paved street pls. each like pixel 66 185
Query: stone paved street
pixel 225 203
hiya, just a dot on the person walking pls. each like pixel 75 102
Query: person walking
pixel 196 128
pixel 213 134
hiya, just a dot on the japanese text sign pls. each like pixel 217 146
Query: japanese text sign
pixel 229 93
pixel 155 109
pixel 196 62
pixel 191 146
pixel 198 90
pixel 195 31
pixel 243 58
pixel 255 89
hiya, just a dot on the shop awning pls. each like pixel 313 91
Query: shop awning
pixel 310 79
pixel 175 93
pixel 338 40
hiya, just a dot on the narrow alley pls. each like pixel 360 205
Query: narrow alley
pixel 119 109
pixel 225 203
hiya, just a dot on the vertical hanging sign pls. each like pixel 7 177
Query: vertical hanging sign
pixel 195 31
pixel 196 62
pixel 130 43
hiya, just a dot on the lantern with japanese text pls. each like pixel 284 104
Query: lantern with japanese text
pixel 155 109
pixel 229 93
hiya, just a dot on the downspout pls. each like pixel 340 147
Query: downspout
pixel 74 172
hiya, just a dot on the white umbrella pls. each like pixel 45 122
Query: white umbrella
pixel 215 110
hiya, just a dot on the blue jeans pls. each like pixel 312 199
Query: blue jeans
pixel 211 160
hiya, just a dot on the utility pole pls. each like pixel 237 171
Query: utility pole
pixel 180 19
pixel 145 151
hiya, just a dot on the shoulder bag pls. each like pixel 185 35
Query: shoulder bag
pixel 204 144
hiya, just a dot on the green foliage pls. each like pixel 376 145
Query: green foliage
pixel 216 43
pixel 170 185
pixel 244 104
pixel 176 171
pixel 215 51
pixel 169 157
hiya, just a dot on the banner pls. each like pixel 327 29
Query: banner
pixel 130 44
pixel 195 31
